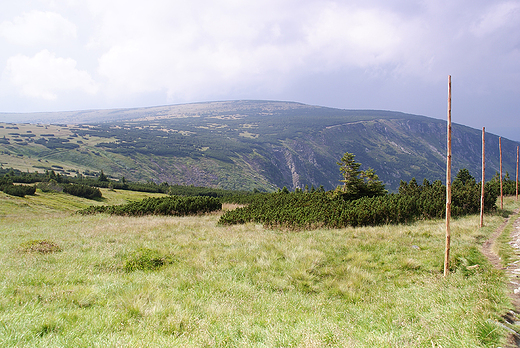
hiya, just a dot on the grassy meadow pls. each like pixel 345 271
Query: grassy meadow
pixel 35 157
pixel 239 286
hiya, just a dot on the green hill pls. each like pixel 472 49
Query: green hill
pixel 244 144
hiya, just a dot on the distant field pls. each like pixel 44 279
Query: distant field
pixel 24 154
pixel 238 286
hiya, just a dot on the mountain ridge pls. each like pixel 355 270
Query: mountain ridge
pixel 250 144
pixel 97 115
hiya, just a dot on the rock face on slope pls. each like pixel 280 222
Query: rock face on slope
pixel 249 144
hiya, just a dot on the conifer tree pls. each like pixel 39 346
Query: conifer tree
pixel 358 183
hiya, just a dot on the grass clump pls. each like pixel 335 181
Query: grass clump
pixel 144 259
pixel 40 247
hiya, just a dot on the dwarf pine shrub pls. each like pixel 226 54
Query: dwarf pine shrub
pixel 173 205
pixel 84 191
pixel 327 209
pixel 7 186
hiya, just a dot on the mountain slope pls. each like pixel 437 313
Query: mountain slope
pixel 246 144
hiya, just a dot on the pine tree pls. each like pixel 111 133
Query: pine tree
pixel 102 177
pixel 358 183
pixel 350 171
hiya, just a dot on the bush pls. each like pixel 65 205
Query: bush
pixel 82 191
pixel 17 190
pixel 327 209
pixel 50 186
pixel 78 190
pixel 174 205
pixel 508 185
pixel 317 209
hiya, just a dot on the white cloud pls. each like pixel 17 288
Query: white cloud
pixel 358 37
pixel 497 16
pixel 207 48
pixel 38 28
pixel 45 75
pixel 188 50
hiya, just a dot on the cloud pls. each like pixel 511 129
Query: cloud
pixel 189 51
pixel 192 51
pixel 360 37
pixel 45 75
pixel 37 28
pixel 344 53
pixel 497 16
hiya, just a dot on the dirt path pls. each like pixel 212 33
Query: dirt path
pixel 487 247
pixel 512 270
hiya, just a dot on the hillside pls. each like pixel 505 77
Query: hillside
pixel 244 144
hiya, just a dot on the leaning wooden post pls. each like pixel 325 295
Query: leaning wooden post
pixel 448 186
pixel 501 191
pixel 483 177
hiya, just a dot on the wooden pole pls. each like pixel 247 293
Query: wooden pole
pixel 483 177
pixel 517 173
pixel 501 191
pixel 448 186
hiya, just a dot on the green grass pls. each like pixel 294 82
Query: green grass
pixel 242 286
pixel 53 203
pixel 31 156
pixel 503 249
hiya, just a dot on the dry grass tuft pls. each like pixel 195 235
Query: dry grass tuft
pixel 40 247
pixel 231 206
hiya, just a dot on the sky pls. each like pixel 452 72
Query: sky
pixel 64 55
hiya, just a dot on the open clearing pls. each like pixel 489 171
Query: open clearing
pixel 238 286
